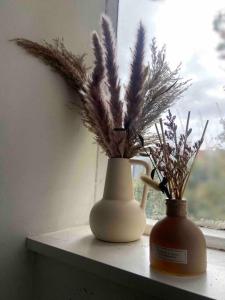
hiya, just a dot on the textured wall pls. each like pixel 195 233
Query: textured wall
pixel 47 158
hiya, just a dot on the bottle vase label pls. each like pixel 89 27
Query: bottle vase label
pixel 178 256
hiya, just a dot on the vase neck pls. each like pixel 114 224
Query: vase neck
pixel 118 183
pixel 176 208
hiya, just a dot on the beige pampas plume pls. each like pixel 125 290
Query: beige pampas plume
pixel 96 114
pixel 70 66
pixel 146 179
pixel 111 67
pixel 134 96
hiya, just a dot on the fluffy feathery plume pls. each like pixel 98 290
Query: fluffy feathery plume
pixel 98 72
pixel 96 115
pixel 93 115
pixel 116 106
pixel 134 97
pixel 71 67
pixel 162 87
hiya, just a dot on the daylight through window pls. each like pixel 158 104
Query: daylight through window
pixel 194 34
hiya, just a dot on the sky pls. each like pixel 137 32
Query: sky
pixel 186 28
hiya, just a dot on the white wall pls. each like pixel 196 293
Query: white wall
pixel 47 158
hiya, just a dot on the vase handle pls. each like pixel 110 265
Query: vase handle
pixel 147 171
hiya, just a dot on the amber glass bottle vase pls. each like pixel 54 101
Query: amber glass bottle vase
pixel 177 245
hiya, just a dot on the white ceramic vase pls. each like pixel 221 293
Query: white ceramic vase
pixel 118 217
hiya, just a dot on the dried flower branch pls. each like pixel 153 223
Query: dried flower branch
pixel 95 113
pixel 162 86
pixel 174 157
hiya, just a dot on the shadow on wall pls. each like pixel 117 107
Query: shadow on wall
pixel 47 157
pixel 47 160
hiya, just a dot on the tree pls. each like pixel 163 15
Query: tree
pixel 219 27
pixel 221 136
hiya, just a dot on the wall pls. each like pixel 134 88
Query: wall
pixel 47 158
pixel 76 284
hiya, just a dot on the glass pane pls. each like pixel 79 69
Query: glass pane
pixel 193 32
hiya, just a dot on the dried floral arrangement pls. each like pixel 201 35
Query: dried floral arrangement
pixel 116 123
pixel 173 157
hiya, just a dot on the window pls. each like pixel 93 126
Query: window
pixel 194 34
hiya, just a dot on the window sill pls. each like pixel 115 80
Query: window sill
pixel 128 264
pixel 215 239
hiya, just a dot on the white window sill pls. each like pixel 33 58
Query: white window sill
pixel 215 239
pixel 128 264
